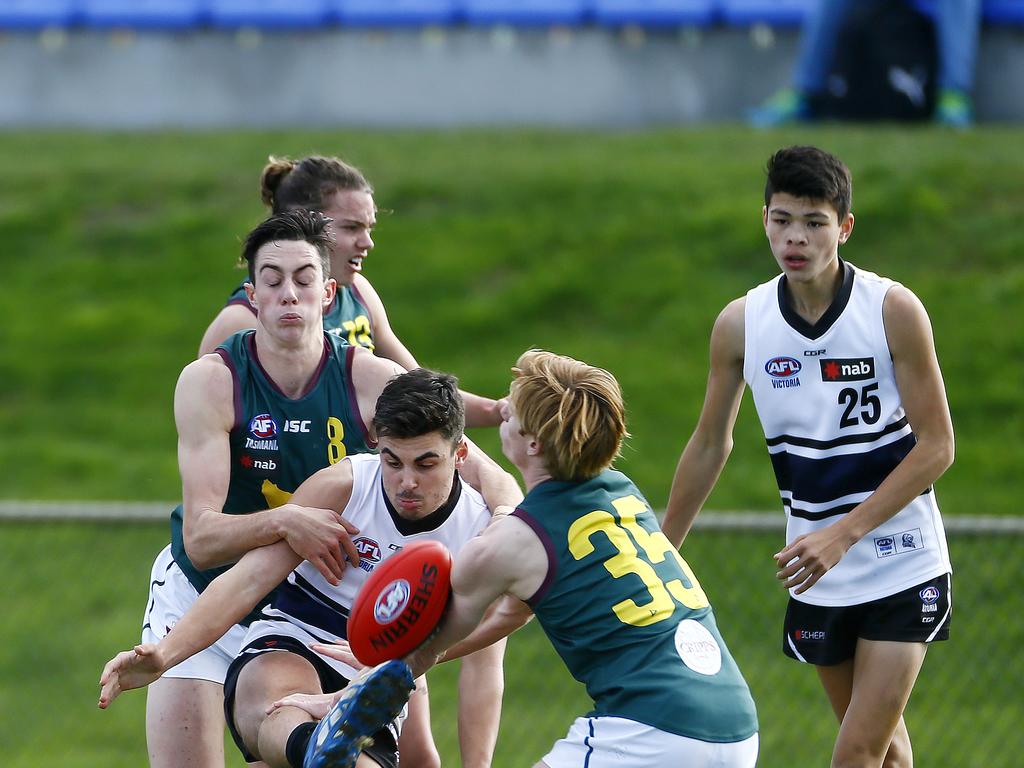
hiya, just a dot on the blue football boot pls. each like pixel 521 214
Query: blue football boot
pixel 368 703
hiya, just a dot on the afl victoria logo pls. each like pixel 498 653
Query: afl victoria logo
pixel 391 601
pixel 263 426
pixel 929 595
pixel 782 367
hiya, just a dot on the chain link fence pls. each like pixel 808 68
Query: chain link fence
pixel 74 593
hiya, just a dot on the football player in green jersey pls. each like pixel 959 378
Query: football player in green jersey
pixel 619 604
pixel 341 192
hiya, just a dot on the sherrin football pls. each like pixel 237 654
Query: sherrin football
pixel 401 603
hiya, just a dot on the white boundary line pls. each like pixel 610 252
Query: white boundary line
pixel 125 511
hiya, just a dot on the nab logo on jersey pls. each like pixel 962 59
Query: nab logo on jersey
pixel 848 369
pixel 782 367
pixel 263 426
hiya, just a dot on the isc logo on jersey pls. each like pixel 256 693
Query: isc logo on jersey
pixel 783 371
pixel 262 431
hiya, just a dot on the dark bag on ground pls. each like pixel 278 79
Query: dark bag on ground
pixel 885 66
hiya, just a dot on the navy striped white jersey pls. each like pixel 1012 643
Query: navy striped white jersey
pixel 309 602
pixel 832 417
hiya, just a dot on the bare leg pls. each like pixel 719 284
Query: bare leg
pixel 185 723
pixel 416 744
pixel 868 694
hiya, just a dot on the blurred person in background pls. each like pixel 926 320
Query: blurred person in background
pixel 842 367
pixel 341 192
pixel 957 26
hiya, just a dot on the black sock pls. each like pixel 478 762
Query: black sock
pixel 295 750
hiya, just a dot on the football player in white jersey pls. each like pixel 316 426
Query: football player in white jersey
pixel 845 379
pixel 410 492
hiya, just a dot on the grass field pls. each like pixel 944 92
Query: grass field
pixel 75 592
pixel 616 248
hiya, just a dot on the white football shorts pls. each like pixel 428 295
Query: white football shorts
pixel 615 742
pixel 171 594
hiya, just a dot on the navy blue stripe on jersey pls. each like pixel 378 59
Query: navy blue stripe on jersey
pixel 821 480
pixel 309 605
pixel 236 387
pixel 862 437
pixel 549 549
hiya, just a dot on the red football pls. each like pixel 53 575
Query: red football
pixel 401 603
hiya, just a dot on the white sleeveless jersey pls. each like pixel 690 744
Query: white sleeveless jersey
pixel 307 601
pixel 835 427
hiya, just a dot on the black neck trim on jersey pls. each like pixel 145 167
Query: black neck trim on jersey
pixel 431 522
pixel 273 384
pixel 827 320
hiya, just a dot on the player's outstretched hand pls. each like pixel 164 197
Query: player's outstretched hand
pixel 129 669
pixel 811 556
pixel 341 651
pixel 323 537
pixel 316 704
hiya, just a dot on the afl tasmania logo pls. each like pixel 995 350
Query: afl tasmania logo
pixel 782 367
pixel 929 595
pixel 391 601
pixel 263 426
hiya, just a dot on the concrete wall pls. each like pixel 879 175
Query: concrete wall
pixel 588 77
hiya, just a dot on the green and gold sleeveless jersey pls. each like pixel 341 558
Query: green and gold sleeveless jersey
pixel 627 615
pixel 277 442
pixel 347 317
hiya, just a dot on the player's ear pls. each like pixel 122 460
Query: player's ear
pixel 250 293
pixel 461 452
pixel 534 448
pixel 330 288
pixel 845 228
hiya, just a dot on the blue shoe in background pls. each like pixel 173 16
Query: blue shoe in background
pixel 785 107
pixel 367 704
pixel 954 109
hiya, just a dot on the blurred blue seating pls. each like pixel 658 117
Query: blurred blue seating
pixel 35 14
pixel 776 13
pixel 655 13
pixel 394 13
pixel 1003 11
pixel 141 14
pixel 269 14
pixel 527 13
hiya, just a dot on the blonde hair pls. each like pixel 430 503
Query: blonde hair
pixel 574 410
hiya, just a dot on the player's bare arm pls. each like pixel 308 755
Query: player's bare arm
pixel 919 380
pixel 369 375
pixel 222 604
pixel 230 320
pixel 504 616
pixel 204 412
pixel 710 444
pixel 499 488
pixel 507 557
pixel 480 411
pixel 481 686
